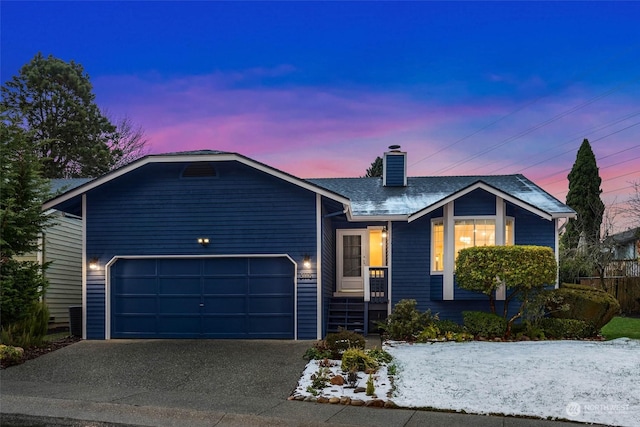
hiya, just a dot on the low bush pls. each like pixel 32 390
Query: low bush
pixel 406 322
pixel 30 331
pixel 355 359
pixel 567 328
pixel 484 325
pixel 10 355
pixel 380 356
pixel 337 343
pixel 318 351
pixel 585 303
pixel 448 326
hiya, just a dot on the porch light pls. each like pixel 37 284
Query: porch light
pixel 384 232
pixel 306 262
pixel 204 241
pixel 93 264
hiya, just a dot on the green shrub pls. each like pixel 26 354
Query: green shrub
pixel 30 331
pixel 585 303
pixel 370 390
pixel 337 343
pixel 448 326
pixel 566 328
pixel 355 359
pixel 380 356
pixel 406 322
pixel 318 351
pixel 10 355
pixel 485 325
pixel 430 332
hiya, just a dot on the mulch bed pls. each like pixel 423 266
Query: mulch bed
pixel 33 352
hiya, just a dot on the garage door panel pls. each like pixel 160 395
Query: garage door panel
pixel 135 285
pixel 138 304
pixel 179 267
pixel 235 297
pixel 176 304
pixel 222 286
pixel 225 304
pixel 179 325
pixel 179 285
pixel 224 325
pixel 142 267
pixel 136 325
pixel 269 324
pixel 269 285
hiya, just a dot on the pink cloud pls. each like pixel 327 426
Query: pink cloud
pixel 322 132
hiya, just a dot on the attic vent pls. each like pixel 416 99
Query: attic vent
pixel 199 170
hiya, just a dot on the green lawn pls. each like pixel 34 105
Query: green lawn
pixel 622 327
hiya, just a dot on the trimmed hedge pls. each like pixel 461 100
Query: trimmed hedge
pixel 566 328
pixel 485 325
pixel 590 305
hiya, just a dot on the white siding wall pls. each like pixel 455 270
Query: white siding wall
pixel 63 249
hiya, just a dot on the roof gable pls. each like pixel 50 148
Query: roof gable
pixel 71 197
pixel 422 195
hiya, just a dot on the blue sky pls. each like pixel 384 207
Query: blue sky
pixel 321 89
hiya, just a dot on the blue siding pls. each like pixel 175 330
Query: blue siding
pixel 533 230
pixel 478 202
pixel 153 211
pixel 411 250
pixel 95 311
pixel 395 170
pixel 328 260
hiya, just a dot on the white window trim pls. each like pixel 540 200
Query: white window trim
pixel 448 220
pixel 435 221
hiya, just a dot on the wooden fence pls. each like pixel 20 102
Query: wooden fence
pixel 625 289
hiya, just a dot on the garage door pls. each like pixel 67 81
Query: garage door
pixel 249 297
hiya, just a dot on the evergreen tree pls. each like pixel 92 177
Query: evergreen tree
pixel 584 198
pixel 375 170
pixel 22 221
pixel 53 100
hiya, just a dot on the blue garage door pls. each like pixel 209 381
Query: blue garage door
pixel 248 297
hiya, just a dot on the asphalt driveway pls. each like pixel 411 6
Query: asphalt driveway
pixel 201 374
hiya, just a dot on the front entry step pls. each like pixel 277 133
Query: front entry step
pixel 346 313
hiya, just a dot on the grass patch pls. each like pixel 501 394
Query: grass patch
pixel 620 327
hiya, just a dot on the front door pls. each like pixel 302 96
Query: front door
pixel 352 255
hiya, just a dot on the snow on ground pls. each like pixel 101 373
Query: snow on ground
pixel 587 381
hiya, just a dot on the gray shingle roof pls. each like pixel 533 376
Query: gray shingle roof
pixel 370 198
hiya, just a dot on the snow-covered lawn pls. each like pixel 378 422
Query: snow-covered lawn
pixel 588 381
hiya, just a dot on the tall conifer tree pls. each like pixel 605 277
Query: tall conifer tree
pixel 584 198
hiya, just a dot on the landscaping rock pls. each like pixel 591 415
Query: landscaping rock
pixel 337 380
pixel 334 400
pixel 357 402
pixel 359 390
pixel 345 400
pixel 322 399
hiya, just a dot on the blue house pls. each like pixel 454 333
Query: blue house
pixel 211 244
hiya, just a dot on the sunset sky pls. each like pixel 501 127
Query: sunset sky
pixel 321 89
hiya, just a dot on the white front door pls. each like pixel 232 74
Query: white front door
pixel 352 255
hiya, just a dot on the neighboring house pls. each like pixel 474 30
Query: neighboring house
pixel 625 249
pixel 217 245
pixel 61 246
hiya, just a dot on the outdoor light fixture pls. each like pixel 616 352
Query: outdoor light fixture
pixel 384 232
pixel 204 241
pixel 306 262
pixel 93 264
